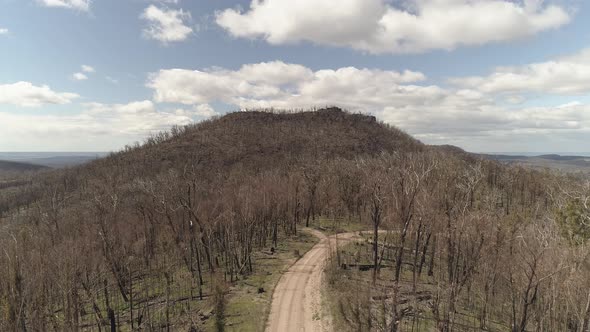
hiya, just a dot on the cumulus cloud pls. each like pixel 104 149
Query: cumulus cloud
pixel 82 5
pixel 25 94
pixel 136 118
pixel 288 85
pixel 83 74
pixel 166 25
pixel 201 111
pixel 489 127
pixel 205 111
pixel 566 75
pixel 3 31
pixel 382 26
pixel 79 77
pixel 115 125
pixel 88 69
pixel 112 80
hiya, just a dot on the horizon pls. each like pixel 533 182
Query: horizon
pixel 103 153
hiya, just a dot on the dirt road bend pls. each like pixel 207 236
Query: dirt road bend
pixel 297 299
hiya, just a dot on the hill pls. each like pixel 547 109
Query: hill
pixel 551 161
pixel 562 163
pixel 256 140
pixel 12 166
pixel 51 159
pixel 174 232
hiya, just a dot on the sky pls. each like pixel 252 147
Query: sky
pixel 485 75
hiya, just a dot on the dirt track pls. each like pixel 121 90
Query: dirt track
pixel 297 300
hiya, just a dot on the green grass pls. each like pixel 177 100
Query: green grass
pixel 248 310
pixel 338 225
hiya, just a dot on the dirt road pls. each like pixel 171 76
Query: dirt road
pixel 297 301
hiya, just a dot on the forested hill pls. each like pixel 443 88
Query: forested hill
pixel 259 140
pixel 150 237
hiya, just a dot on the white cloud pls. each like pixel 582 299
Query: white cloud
pixel 166 25
pixel 113 125
pixel 566 75
pixel 137 118
pixel 3 31
pixel 200 111
pixel 26 94
pixel 515 99
pixel 275 72
pixel 82 75
pixel 205 111
pixel 379 26
pixel 82 5
pixel 88 69
pixel 112 80
pixel 79 77
pixel 288 85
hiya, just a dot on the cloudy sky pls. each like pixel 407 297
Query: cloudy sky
pixel 486 75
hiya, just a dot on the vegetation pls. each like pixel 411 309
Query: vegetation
pixel 469 245
pixel 571 164
pixel 157 236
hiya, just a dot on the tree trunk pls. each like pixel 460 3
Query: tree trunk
pixel 586 316
pixel 375 251
pixel 424 251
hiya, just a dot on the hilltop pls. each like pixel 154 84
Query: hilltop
pixel 260 140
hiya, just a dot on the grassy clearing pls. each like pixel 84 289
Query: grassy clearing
pixel 337 225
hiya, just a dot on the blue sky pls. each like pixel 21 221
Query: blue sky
pixel 493 75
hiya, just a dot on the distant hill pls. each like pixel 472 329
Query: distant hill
pixel 566 163
pixel 13 166
pixel 550 161
pixel 52 159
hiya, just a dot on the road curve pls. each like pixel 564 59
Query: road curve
pixel 297 301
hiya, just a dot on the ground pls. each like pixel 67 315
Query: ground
pixel 297 303
pixel 350 287
pixel 247 308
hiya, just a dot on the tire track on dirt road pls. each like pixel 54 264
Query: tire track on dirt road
pixel 297 299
